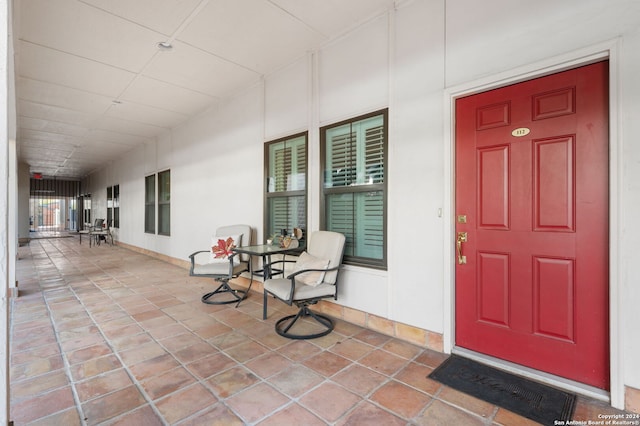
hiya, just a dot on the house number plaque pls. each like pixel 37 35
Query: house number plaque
pixel 520 131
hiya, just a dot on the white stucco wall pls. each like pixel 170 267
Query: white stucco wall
pixel 405 60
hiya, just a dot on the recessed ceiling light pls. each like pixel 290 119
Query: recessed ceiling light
pixel 165 45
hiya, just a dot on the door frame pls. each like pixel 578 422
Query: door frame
pixel 607 50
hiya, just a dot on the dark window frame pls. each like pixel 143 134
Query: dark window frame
pixel 273 189
pixel 349 185
pixel 113 206
pixel 109 205
pixel 164 205
pixel 116 206
pixel 86 209
pixel 150 204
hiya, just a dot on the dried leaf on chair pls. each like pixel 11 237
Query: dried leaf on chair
pixel 224 248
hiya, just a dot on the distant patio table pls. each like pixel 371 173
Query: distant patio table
pixel 83 232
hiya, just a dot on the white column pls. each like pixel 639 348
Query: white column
pixel 7 192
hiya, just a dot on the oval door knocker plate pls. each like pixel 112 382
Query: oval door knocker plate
pixel 520 131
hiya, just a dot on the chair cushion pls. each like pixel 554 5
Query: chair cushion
pixel 218 268
pixel 308 261
pixel 281 288
pixel 327 245
pixel 222 246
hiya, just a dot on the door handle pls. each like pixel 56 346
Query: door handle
pixel 462 238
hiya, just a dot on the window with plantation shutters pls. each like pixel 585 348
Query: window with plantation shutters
pixel 164 203
pixel 285 185
pixel 354 189
pixel 113 206
pixel 109 205
pixel 150 204
pixel 116 206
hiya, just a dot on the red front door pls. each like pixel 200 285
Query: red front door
pixel 532 198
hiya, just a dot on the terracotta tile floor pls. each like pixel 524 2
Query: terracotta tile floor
pixel 104 335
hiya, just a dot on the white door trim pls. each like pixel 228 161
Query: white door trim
pixel 607 50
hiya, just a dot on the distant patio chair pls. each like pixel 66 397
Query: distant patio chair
pixel 97 225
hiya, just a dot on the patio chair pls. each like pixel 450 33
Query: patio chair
pixel 222 264
pixel 315 277
pixel 87 228
pixel 104 233
pixel 97 225
pixel 97 232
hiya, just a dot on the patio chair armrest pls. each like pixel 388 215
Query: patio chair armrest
pixel 301 271
pixel 193 255
pixel 192 258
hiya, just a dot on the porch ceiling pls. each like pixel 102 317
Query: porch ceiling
pixel 92 84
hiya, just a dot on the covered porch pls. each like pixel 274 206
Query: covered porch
pixel 107 335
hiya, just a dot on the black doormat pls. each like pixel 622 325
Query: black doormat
pixel 533 400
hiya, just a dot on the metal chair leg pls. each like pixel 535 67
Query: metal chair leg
pixel 237 295
pixel 283 325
